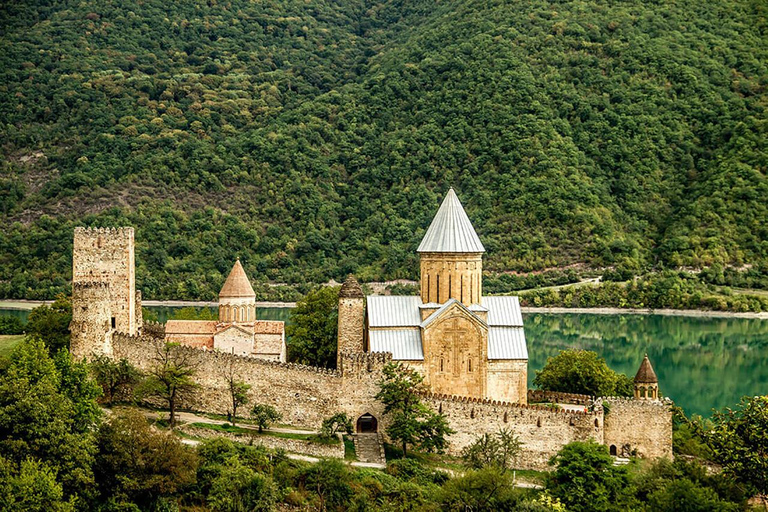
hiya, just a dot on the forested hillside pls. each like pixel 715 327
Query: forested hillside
pixel 314 139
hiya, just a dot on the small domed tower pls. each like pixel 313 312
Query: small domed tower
pixel 646 382
pixel 351 309
pixel 237 300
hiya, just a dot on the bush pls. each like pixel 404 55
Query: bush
pixel 11 325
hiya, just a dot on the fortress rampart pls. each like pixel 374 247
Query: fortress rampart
pixel 306 395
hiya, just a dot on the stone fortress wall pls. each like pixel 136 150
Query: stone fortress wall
pixel 307 395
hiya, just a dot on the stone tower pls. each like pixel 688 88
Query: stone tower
pixel 351 309
pixel 237 300
pixel 451 257
pixel 107 255
pixel 104 298
pixel 646 382
pixel 91 320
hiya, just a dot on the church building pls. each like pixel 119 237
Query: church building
pixel 463 344
pixel 237 330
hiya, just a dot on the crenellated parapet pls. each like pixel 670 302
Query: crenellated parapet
pixel 155 329
pixel 497 404
pixel 101 231
pixel 142 350
pixel 538 395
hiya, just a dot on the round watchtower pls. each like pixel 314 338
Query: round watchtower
pixel 351 317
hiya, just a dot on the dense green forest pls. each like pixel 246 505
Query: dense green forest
pixel 317 139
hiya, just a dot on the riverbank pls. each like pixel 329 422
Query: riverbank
pixel 21 304
pixel 701 313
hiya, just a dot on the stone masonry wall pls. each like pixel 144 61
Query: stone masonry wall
pixel 508 380
pixel 91 315
pixel 304 395
pixel 307 395
pixel 541 430
pixel 641 426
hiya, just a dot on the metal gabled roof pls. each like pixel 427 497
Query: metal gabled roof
pixel 507 343
pixel 451 230
pixel 503 311
pixel 450 302
pixel 394 311
pixel 404 344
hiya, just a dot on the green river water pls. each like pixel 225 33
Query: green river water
pixel 702 363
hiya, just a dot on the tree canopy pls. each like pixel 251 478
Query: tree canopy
pixel 313 328
pixel 317 141
pixel 582 372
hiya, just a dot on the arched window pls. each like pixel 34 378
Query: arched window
pixel 538 422
pixel 613 450
pixel 442 364
pixel 472 414
pixel 438 289
pixel 505 417
pixel 469 365
pixel 597 423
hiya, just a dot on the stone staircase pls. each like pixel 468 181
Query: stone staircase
pixel 368 448
pixel 620 461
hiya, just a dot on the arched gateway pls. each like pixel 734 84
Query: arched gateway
pixel 367 423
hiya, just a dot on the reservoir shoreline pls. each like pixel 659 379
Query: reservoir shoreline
pixel 20 304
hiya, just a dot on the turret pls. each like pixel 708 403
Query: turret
pixel 351 309
pixel 646 382
pixel 237 300
pixel 451 257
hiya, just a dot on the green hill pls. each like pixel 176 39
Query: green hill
pixel 314 139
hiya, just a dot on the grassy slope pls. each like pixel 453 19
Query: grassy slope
pixel 8 342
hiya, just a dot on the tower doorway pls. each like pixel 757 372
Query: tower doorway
pixel 367 423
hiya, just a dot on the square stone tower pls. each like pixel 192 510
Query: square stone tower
pixel 104 292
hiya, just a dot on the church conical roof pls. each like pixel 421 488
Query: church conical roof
pixel 451 230
pixel 645 374
pixel 237 284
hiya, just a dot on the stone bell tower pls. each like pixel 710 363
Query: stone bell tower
pixel 351 310
pixel 451 257
pixel 646 382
